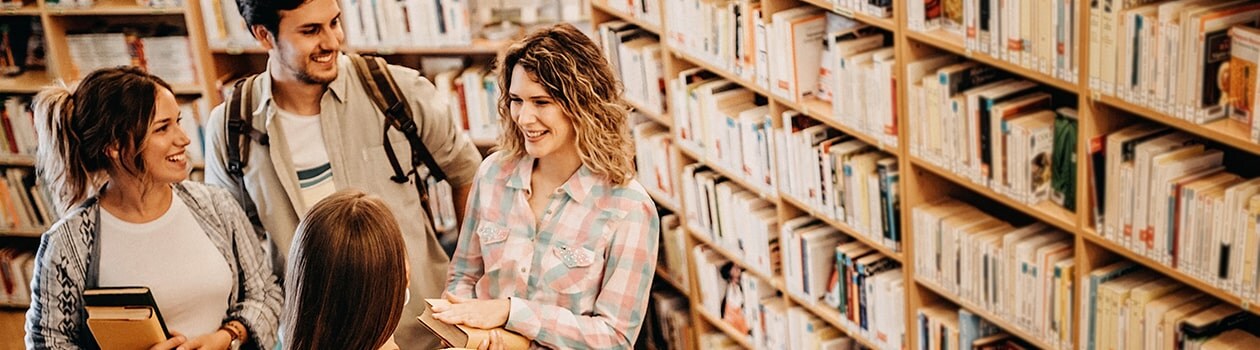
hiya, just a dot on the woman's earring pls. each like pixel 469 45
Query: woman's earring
pixel 407 297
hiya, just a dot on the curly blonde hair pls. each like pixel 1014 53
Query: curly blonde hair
pixel 574 72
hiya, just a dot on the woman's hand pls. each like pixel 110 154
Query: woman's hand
pixel 219 340
pixel 176 339
pixel 495 342
pixel 484 314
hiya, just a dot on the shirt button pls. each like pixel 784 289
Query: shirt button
pixel 522 270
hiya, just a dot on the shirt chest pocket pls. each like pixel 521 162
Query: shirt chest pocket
pixel 572 269
pixel 493 238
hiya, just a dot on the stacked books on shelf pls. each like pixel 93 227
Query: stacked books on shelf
pixel 654 159
pixel 1244 89
pixel 1041 36
pixel 18 123
pixel 732 217
pixel 90 3
pixel 945 327
pixel 1169 56
pixel 1130 307
pixel 367 24
pixel 1012 130
pixel 17 267
pixel 873 8
pixel 1022 274
pixel 840 177
pixel 727 125
pixel 24 202
pixel 23 44
pixel 646 10
pixel 673 252
pixel 671 322
pixel 635 55
pixel 827 268
pixel 472 96
pixel 166 55
pixel 1168 197
pixel 856 77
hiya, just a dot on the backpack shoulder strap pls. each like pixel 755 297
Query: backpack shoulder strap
pixel 379 84
pixel 240 133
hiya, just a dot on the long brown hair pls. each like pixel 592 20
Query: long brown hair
pixel 576 75
pixel 111 109
pixel 346 277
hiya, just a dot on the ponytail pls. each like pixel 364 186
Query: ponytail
pixel 57 160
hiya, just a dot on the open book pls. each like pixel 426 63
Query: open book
pixel 124 318
pixel 461 336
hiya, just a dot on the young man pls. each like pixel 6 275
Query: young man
pixel 325 134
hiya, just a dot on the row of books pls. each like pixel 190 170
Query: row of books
pixel 856 77
pixel 942 327
pixel 1004 133
pixel 669 322
pixel 17 267
pixel 825 267
pixel 21 44
pixel 18 122
pixel 1041 36
pixel 472 96
pixel 636 56
pixel 728 125
pixel 840 177
pixel 367 23
pixel 25 203
pixel 1169 197
pixel 753 308
pixel 655 157
pixel 733 217
pixel 1170 56
pixel 1023 274
pixel 646 10
pixel 164 55
pixel 673 252
pixel 1130 307
pixel 90 3
pixel 873 8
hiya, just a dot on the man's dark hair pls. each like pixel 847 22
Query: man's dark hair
pixel 265 12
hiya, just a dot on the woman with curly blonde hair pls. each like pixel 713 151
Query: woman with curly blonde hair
pixel 557 228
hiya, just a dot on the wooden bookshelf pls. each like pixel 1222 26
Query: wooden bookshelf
pixel 19 160
pixel 25 232
pixel 28 82
pixel 743 340
pixel 1219 131
pixel 479 47
pixel 29 8
pixel 663 119
pixel 953 42
pixel 988 316
pixel 654 29
pixel 669 279
pixel 1044 211
pixel 832 316
pixel 112 8
pixel 701 235
pixel 843 227
pixel 1229 297
pixel 12 327
pixel 821 110
pixel 663 200
pixel 886 23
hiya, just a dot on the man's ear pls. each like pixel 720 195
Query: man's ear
pixel 264 36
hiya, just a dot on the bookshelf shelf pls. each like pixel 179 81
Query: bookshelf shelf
pixel 848 230
pixel 669 279
pixel 663 119
pixel 821 111
pixel 1218 131
pixel 833 317
pixel 28 82
pixel 1045 211
pixel 663 200
pixel 479 47
pixel 31 8
pixel 700 235
pixel 21 160
pixel 744 340
pixel 987 315
pixel 760 190
pixel 15 306
pixel 28 232
pixel 655 29
pixel 721 72
pixel 953 42
pixel 1092 237
pixel 186 89
pixel 113 8
pixel 889 24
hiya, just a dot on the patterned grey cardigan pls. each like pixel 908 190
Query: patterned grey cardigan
pixel 69 262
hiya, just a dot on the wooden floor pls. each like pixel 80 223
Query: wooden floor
pixel 11 333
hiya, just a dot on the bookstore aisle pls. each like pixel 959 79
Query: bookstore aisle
pixel 984 174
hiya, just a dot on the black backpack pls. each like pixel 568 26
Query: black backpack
pixel 379 84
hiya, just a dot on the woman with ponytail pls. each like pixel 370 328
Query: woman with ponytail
pixel 113 154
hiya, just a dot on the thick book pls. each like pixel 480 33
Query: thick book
pixel 461 336
pixel 124 318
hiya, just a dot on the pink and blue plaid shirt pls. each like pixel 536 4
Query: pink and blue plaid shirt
pixel 578 279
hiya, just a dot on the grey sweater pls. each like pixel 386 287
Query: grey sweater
pixel 68 261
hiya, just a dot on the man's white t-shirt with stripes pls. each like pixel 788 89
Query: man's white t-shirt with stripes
pixel 310 157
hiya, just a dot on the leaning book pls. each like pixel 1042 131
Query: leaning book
pixel 124 318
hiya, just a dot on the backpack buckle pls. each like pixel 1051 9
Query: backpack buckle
pixel 401 121
pixel 235 167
